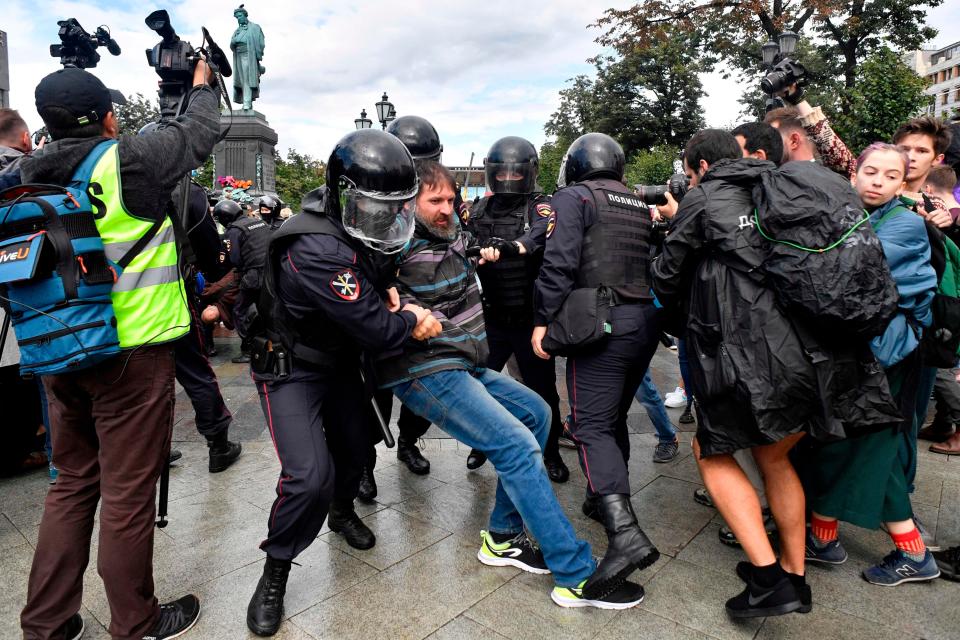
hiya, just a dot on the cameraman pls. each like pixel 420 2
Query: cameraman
pixel 112 422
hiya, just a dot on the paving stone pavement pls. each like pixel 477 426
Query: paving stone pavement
pixel 422 579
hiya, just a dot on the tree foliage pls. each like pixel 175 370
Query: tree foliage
pixel 296 175
pixel 640 98
pixel 651 167
pixel 727 34
pixel 138 112
pixel 886 94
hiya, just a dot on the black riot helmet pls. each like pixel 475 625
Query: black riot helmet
pixel 511 166
pixel 272 203
pixel 373 186
pixel 226 212
pixel 592 155
pixel 418 136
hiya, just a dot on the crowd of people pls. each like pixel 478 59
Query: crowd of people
pixel 812 292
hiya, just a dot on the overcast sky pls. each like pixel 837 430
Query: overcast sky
pixel 478 71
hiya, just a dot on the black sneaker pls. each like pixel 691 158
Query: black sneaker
pixel 800 584
pixel 701 496
pixel 175 455
pixel 666 451
pixel 176 618
pixel 687 417
pixel 72 629
pixel 949 562
pixel 757 602
pixel 516 552
pixel 557 471
pixel 625 596
pixel 243 358
pixel 726 534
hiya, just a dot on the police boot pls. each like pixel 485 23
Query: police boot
pixel 265 611
pixel 409 454
pixel 368 485
pixel 628 547
pixel 344 520
pixel 223 453
pixel 556 469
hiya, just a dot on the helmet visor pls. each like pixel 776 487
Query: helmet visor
pixel 511 177
pixel 382 221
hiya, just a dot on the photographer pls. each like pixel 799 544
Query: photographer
pixel 112 422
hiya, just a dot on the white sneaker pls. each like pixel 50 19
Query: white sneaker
pixel 676 398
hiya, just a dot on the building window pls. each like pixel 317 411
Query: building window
pixel 943 98
pixel 948 74
pixel 956 95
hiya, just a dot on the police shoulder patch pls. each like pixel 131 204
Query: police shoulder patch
pixel 346 285
pixel 551 223
pixel 544 210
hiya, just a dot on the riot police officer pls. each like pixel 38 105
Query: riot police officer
pixel 515 219
pixel 247 238
pixel 598 254
pixel 324 302
pixel 270 206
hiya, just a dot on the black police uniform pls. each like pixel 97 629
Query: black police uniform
pixel 508 293
pixel 193 369
pixel 327 308
pixel 599 235
pixel 247 238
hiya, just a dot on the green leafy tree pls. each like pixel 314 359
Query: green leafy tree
pixel 551 155
pixel 205 175
pixel 730 31
pixel 886 93
pixel 651 167
pixel 138 112
pixel 296 175
pixel 639 97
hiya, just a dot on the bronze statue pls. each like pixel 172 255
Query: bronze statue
pixel 247 45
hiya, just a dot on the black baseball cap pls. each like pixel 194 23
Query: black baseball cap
pixel 79 92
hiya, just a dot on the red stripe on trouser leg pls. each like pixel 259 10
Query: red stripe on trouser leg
pixel 910 542
pixel 824 530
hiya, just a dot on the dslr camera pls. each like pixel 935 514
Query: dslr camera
pixel 677 186
pixel 78 48
pixel 784 74
pixel 174 61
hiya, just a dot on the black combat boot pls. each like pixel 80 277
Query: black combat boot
pixel 409 454
pixel 476 459
pixel 265 611
pixel 344 520
pixel 368 485
pixel 223 453
pixel 556 469
pixel 628 547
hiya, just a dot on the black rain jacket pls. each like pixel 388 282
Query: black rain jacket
pixel 758 375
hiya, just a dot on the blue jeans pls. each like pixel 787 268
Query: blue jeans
pixel 507 421
pixel 649 397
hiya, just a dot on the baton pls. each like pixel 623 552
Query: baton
pixel 384 427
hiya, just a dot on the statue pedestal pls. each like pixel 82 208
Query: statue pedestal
pixel 246 153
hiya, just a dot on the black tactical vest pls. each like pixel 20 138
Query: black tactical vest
pixel 507 283
pixel 255 235
pixel 314 339
pixel 616 250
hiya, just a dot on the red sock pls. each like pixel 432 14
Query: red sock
pixel 910 543
pixel 824 530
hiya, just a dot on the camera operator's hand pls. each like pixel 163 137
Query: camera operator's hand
pixel 667 211
pixel 203 74
pixel 793 94
pixel 489 254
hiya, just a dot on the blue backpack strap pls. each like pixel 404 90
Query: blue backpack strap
pixel 83 172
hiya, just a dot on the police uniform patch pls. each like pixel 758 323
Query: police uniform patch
pixel 551 223
pixel 345 285
pixel 544 210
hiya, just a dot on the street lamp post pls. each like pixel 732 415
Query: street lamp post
pixel 363 122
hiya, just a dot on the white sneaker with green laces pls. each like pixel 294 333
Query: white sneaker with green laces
pixel 517 552
pixel 625 596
